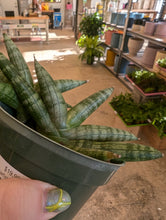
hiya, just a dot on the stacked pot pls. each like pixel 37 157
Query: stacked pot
pixel 134 45
pixel 155 29
pixel 150 28
pixel 149 55
pixel 160 30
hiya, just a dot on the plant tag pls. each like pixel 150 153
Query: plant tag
pixel 7 171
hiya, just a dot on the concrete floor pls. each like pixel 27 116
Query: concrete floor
pixel 137 191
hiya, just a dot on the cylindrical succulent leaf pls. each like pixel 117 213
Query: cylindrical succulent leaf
pixel 81 111
pixel 51 96
pixel 17 59
pixel 127 151
pixel 97 133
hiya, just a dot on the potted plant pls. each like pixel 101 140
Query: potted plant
pixel 91 25
pixel 159 119
pixel 162 63
pixel 132 113
pixel 108 35
pixel 92 48
pixel 47 152
pixel 147 82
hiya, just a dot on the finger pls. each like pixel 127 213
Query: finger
pixel 30 199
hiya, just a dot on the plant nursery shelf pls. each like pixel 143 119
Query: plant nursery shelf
pixel 127 124
pixel 115 50
pixel 138 61
pixel 114 26
pixel 121 77
pixel 146 94
pixel 152 39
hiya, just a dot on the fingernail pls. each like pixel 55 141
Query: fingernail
pixel 58 200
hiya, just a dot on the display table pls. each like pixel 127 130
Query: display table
pixel 34 23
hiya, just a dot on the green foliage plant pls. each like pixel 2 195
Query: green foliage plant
pixel 91 25
pixel 148 81
pixel 132 113
pixel 91 47
pixel 162 62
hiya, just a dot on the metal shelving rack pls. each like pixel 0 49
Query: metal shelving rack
pixel 135 60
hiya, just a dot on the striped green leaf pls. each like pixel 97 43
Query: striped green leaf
pixel 17 59
pixel 106 156
pixel 29 98
pixel 80 112
pixel 64 85
pixel 3 77
pixel 97 133
pixel 127 151
pixel 8 95
pixel 51 96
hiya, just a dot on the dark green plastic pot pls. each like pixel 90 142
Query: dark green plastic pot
pixel 40 158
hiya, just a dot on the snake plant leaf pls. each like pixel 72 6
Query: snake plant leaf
pixel 103 155
pixel 28 97
pixel 97 133
pixel 17 59
pixel 8 95
pixel 64 85
pixel 51 96
pixel 128 151
pixel 81 111
pixel 3 78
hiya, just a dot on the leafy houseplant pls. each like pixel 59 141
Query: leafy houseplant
pixel 133 113
pixel 130 112
pixel 91 25
pixel 148 81
pixel 162 62
pixel 91 46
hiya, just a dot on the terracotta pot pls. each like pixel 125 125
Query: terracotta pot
pixel 108 36
pixel 149 56
pixel 160 30
pixel 134 45
pixel 150 28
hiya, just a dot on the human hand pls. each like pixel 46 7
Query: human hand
pixel 26 199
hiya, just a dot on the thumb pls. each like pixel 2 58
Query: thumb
pixel 31 199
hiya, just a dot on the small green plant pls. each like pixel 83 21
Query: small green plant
pixel 162 62
pixel 148 81
pixel 133 113
pixel 91 25
pixel 91 47
pixel 109 29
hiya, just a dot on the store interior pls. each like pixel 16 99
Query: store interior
pixel 128 54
